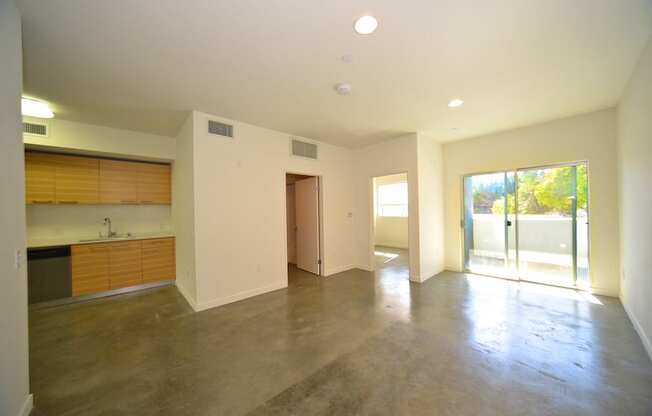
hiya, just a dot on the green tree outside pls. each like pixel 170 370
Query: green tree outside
pixel 546 191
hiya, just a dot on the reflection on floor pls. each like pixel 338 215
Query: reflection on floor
pixel 389 258
pixel 353 343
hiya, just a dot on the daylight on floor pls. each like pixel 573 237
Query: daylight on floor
pixel 225 207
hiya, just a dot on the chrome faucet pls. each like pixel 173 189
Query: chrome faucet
pixel 109 233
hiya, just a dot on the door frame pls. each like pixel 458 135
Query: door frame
pixel 320 205
pixel 516 170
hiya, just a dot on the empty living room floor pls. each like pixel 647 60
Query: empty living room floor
pixel 355 343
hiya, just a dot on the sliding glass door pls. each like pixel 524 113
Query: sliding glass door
pixel 529 224
pixel 489 236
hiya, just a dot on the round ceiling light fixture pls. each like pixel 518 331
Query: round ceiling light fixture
pixel 343 88
pixel 366 25
pixel 456 102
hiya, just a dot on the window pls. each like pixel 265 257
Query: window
pixel 393 200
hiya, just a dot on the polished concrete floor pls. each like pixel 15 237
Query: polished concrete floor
pixel 357 343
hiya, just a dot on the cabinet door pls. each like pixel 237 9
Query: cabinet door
pixel 125 267
pixel 118 182
pixel 39 178
pixel 158 260
pixel 154 184
pixel 77 180
pixel 90 268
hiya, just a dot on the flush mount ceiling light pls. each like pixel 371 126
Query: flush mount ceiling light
pixel 343 88
pixel 456 102
pixel 366 25
pixel 34 108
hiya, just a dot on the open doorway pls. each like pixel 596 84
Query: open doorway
pixel 303 222
pixel 390 223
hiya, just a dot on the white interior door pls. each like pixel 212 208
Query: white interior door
pixel 307 222
pixel 291 224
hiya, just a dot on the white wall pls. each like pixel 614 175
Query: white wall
pixel 635 168
pixel 98 140
pixel 85 221
pixel 183 211
pixel 240 209
pixel 390 231
pixel 387 158
pixel 14 366
pixel 590 137
pixel 431 207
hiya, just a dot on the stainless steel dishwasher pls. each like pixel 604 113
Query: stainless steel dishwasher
pixel 49 275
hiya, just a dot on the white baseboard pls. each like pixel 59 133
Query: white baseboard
pixel 28 405
pixel 202 306
pixel 603 292
pixel 339 269
pixel 639 329
pixel 421 279
pixel 364 267
pixel 191 301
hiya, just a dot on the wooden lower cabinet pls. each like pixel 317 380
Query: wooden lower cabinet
pixel 158 260
pixel 105 266
pixel 125 266
pixel 90 268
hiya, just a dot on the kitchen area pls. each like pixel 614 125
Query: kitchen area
pixel 96 226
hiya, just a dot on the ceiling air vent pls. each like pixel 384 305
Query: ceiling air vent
pixel 304 149
pixel 220 129
pixel 35 129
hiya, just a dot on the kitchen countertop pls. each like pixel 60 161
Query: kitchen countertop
pixel 69 241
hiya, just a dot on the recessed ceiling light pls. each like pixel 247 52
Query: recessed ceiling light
pixel 34 108
pixel 343 88
pixel 456 102
pixel 366 25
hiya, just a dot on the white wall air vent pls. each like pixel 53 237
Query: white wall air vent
pixel 36 129
pixel 304 149
pixel 220 129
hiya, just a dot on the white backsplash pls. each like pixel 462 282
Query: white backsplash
pixel 50 221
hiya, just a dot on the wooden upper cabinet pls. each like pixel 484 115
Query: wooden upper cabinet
pixel 77 179
pixel 154 184
pixel 39 178
pixel 118 182
pixel 90 268
pixel 65 179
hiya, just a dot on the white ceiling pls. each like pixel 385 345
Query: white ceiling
pixel 140 64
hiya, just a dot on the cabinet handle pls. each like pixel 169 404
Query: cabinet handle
pixel 41 202
pixel 68 202
pixel 147 202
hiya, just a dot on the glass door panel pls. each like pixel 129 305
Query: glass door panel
pixel 486 237
pixel 546 204
pixel 582 226
pixel 510 186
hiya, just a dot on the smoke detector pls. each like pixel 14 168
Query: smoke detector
pixel 343 88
